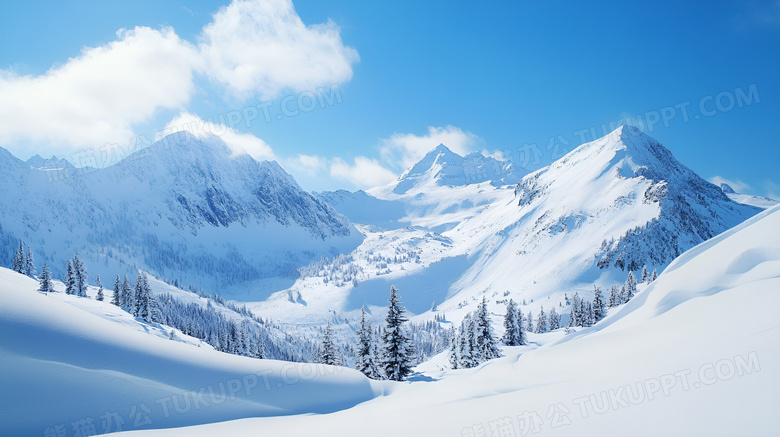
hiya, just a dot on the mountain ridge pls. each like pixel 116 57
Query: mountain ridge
pixel 183 208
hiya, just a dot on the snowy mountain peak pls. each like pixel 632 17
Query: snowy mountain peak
pixel 727 188
pixel 440 155
pixel 666 208
pixel 443 167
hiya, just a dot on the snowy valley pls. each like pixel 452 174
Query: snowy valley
pixel 531 297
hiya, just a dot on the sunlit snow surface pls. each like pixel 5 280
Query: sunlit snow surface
pixel 697 353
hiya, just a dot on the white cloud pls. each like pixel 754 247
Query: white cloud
pixel 309 164
pixel 404 150
pixel 363 173
pixel 96 98
pixel 737 185
pixel 239 143
pixel 263 48
pixel 252 47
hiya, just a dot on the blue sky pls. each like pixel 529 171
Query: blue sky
pixel 371 86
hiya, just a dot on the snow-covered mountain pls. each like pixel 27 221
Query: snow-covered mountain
pixel 748 199
pixel 442 167
pixel 609 206
pixel 183 208
pixel 612 205
pixel 438 192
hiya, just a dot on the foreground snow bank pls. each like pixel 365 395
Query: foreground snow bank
pixel 697 353
pixel 78 366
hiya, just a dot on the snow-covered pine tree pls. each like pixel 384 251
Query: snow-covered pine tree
pixel 576 311
pixel 327 349
pixel 116 298
pixel 365 351
pixel 587 314
pixel 511 334
pixel 80 277
pixel 599 308
pixel 471 344
pixel 454 350
pixel 486 342
pixel 397 364
pixel 645 275
pixel 464 352
pixel 100 296
pixel 45 280
pixel 555 319
pixel 614 296
pixel 630 286
pixel 529 325
pixel 140 296
pixel 655 276
pixel 127 297
pixel 19 261
pixel 520 328
pixel 259 347
pixel 376 347
pixel 154 313
pixel 541 322
pixel 29 263
pixel 70 279
pixel 146 305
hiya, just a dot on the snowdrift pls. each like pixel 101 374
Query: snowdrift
pixel 79 365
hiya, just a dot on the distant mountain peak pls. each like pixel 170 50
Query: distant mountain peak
pixel 441 166
pixel 727 188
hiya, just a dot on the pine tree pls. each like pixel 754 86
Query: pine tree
pixel 19 260
pixel 116 298
pixel 630 286
pixel 327 349
pixel 529 326
pixel 471 344
pixel 138 295
pixel 365 351
pixel 645 275
pixel 576 311
pixel 486 342
pixel 80 277
pixel 45 280
pixel 511 328
pixel 454 349
pixel 100 296
pixel 655 276
pixel 153 308
pixel 29 263
pixel 555 320
pixel 70 279
pixel 127 297
pixel 541 322
pixel 146 306
pixel 397 364
pixel 599 308
pixel 520 329
pixel 465 352
pixel 614 296
pixel 587 314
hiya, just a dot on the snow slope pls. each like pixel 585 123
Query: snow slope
pixel 66 360
pixel 696 353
